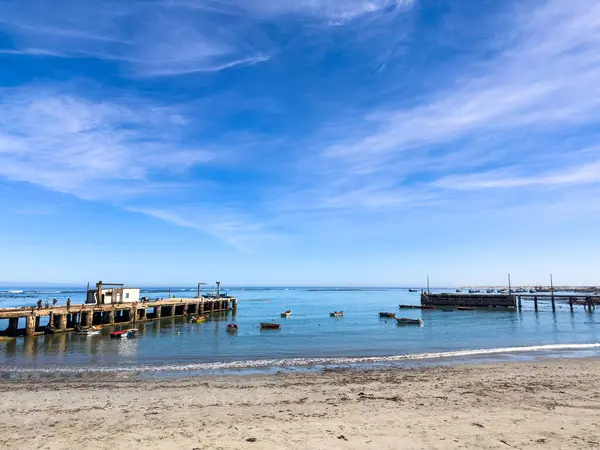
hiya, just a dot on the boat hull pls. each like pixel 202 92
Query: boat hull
pixel 406 321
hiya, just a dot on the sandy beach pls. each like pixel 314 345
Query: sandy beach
pixel 550 404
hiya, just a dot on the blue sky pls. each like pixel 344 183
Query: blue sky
pixel 306 142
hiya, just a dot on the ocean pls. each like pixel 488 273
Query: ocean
pixel 308 339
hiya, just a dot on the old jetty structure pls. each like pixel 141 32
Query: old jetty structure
pixel 109 306
pixel 507 301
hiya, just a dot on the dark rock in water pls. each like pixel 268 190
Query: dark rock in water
pixel 252 439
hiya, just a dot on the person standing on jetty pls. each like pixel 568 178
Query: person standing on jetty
pixel 54 303
pixel 39 304
pixel 68 304
pixel 47 303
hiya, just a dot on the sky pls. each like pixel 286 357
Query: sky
pixel 305 142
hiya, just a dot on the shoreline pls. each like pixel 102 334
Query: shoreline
pixel 542 404
pixel 179 369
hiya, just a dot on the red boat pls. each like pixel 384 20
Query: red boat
pixel 118 334
pixel 231 328
pixel 269 326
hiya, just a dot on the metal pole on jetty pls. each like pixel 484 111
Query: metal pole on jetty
pixel 200 284
pixel 552 293
pixel 428 284
pixel 510 292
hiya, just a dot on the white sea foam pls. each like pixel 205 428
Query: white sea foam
pixel 296 362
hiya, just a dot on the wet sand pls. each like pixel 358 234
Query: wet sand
pixel 550 404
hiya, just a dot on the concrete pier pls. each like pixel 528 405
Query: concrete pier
pixel 469 300
pixel 62 319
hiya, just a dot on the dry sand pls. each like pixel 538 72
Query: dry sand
pixel 550 405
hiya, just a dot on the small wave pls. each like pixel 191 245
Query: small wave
pixel 294 362
pixel 15 292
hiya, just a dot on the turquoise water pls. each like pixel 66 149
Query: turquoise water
pixel 310 337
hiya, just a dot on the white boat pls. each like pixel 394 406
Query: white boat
pixel 287 313
pixel 89 332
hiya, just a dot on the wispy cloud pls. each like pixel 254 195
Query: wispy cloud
pixel 131 154
pixel 506 179
pixel 165 38
pixel 32 52
pixel 543 81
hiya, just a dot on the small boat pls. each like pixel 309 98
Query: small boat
pixel 447 309
pixel 413 290
pixel 465 308
pixel 426 307
pixel 88 332
pixel 337 314
pixel 132 332
pixel 118 334
pixel 387 315
pixel 459 290
pixel 231 328
pixel 269 326
pixel 406 321
pixel 198 319
pixel 287 313
pixel 408 306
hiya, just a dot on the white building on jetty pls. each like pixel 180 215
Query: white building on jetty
pixel 117 293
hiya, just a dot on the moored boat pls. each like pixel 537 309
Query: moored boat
pixel 89 332
pixel 407 321
pixel 337 314
pixel 412 290
pixel 132 332
pixel 287 313
pixel 387 315
pixel 269 326
pixel 231 328
pixel 118 334
pixel 465 308
pixel 198 319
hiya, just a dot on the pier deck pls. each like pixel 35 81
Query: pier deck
pixel 63 318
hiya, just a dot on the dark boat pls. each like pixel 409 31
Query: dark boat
pixel 286 314
pixel 413 290
pixel 269 326
pixel 406 321
pixel 427 307
pixel 387 315
pixel 231 328
pixel 465 308
pixel 337 314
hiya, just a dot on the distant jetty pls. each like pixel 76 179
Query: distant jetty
pixel 110 306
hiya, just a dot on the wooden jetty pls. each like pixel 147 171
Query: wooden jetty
pixel 588 301
pixel 506 301
pixel 64 318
